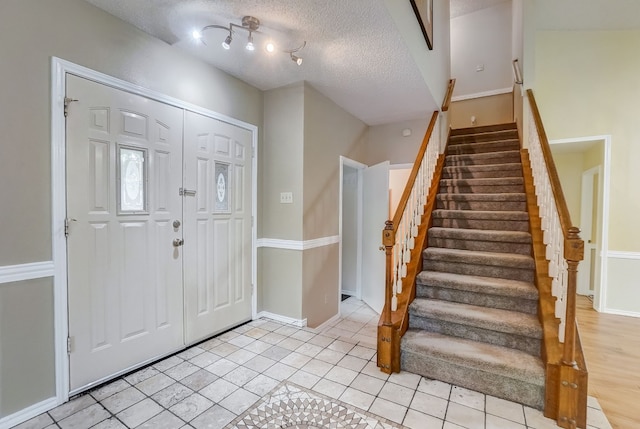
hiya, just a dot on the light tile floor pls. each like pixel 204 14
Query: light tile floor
pixel 210 384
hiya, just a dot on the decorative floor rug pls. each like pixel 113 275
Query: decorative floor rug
pixel 293 407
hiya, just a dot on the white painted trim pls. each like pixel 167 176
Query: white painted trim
pixel 600 297
pixel 482 94
pixel 28 413
pixel 616 254
pixel 300 323
pixel 276 243
pixel 621 312
pixel 22 272
pixel 59 69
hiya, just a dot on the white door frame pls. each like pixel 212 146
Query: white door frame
pixel 344 161
pixel 600 294
pixel 586 223
pixel 59 69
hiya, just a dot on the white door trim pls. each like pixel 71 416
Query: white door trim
pixel 344 161
pixel 59 69
pixel 600 298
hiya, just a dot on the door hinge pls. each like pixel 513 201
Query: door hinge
pixel 67 101
pixel 67 222
pixel 69 344
pixel 251 221
pixel 253 152
pixel 186 192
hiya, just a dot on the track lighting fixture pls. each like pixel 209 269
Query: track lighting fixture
pixel 250 24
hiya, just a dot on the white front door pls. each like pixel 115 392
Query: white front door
pixel 375 211
pixel 217 228
pixel 124 169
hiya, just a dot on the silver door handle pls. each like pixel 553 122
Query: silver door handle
pixel 178 242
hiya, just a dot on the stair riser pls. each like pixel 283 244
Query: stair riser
pixel 503 339
pixel 485 137
pixel 479 270
pixel 481 381
pixel 474 298
pixel 481 159
pixel 515 206
pixel 463 149
pixel 473 131
pixel 490 174
pixel 496 225
pixel 481 189
pixel 481 246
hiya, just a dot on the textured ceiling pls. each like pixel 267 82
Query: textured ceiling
pixel 355 55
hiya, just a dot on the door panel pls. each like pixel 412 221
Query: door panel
pixel 124 169
pixel 375 210
pixel 217 226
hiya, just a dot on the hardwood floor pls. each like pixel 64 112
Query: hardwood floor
pixel 611 346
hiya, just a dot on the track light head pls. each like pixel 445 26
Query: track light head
pixel 296 59
pixel 227 42
pixel 250 46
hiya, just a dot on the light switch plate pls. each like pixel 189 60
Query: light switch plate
pixel 286 197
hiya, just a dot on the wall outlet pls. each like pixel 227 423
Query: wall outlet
pixel 286 197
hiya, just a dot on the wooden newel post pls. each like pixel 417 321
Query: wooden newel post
pixel 388 240
pixel 573 253
pixel 572 404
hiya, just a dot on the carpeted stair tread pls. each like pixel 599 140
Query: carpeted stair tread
pixel 499 320
pixel 504 157
pixel 485 181
pixel 512 196
pixel 481 215
pixel 488 285
pixel 483 137
pixel 510 169
pixel 473 354
pixel 480 234
pixel 470 147
pixel 479 258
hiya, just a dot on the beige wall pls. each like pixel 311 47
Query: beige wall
pixel 320 299
pixel 31 32
pixel 329 132
pixel 495 109
pixel 570 169
pixel 386 143
pixel 594 91
pixel 26 344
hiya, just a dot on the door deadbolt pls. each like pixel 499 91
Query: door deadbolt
pixel 176 223
pixel 178 242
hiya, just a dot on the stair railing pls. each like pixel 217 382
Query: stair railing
pixel 403 248
pixel 564 250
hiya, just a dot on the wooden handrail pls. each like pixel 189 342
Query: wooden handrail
pixel 563 210
pixel 447 97
pixel 402 205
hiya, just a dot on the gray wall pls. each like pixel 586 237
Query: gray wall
pixel 31 32
pixel 386 142
pixel 26 344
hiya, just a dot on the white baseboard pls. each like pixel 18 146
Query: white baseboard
pixel 482 94
pixel 622 255
pixel 300 323
pixel 621 312
pixel 28 413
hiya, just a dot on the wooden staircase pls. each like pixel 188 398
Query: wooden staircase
pixel 474 320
